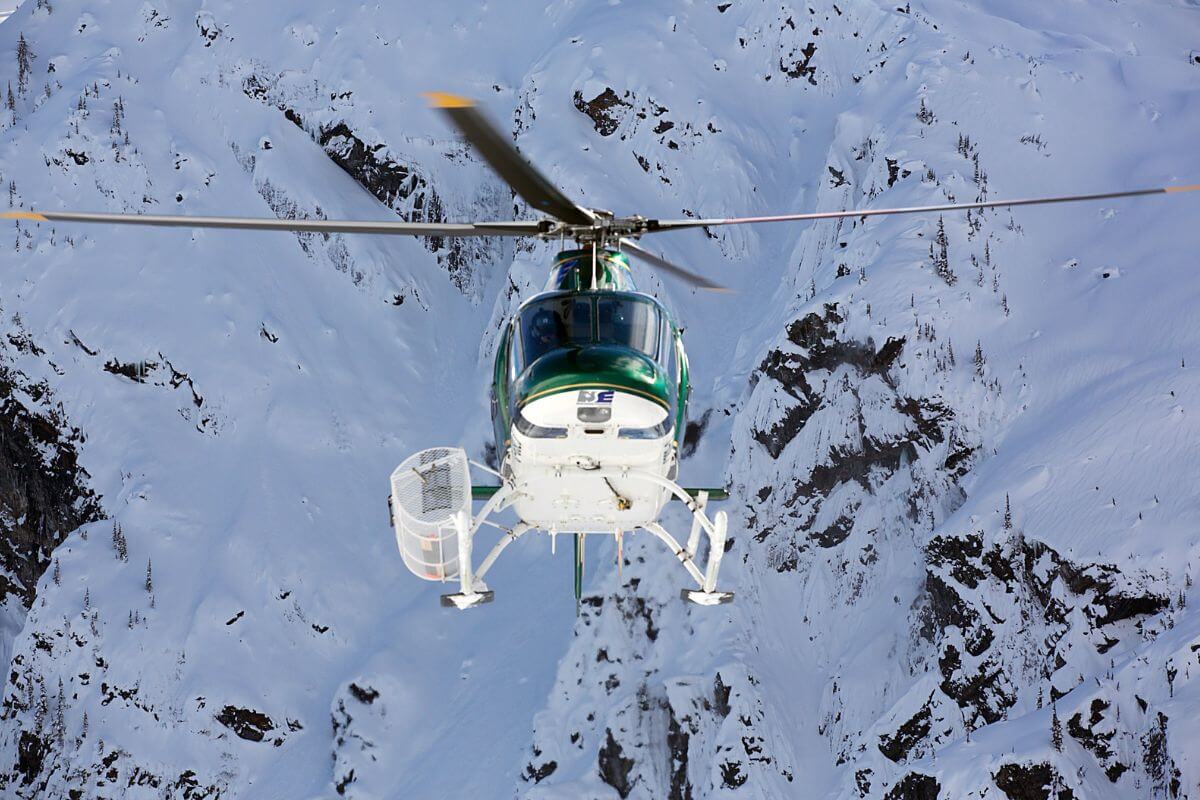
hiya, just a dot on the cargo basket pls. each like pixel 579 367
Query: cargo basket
pixel 431 504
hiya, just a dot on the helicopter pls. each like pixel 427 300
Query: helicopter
pixel 590 383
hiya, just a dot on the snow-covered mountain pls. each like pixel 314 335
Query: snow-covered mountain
pixel 964 518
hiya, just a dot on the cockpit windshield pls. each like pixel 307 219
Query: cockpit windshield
pixel 555 323
pixel 567 321
pixel 628 322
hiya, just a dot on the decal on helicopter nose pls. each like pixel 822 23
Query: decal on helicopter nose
pixel 594 397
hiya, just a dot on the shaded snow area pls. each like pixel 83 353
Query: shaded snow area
pixel 964 522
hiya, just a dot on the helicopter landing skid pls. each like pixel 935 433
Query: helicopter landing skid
pixel 474 592
pixel 435 530
pixel 706 598
pixel 460 601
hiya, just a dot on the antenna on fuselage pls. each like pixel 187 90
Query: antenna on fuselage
pixel 595 267
pixel 579 557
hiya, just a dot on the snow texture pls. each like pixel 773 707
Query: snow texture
pixel 964 523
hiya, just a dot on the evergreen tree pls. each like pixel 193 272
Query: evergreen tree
pixel 1056 735
pixel 1007 514
pixel 939 253
pixel 924 115
pixel 39 717
pixel 119 544
pixel 60 724
pixel 980 361
pixel 149 577
pixel 24 63
pixel 118 116
pixel 87 599
pixel 57 573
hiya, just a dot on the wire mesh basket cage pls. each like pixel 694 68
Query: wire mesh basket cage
pixel 431 500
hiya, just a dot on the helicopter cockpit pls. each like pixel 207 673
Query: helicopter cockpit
pixel 606 319
pixel 561 342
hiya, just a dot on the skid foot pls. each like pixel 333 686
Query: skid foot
pixel 461 601
pixel 706 598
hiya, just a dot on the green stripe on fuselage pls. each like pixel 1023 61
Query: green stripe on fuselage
pixel 594 366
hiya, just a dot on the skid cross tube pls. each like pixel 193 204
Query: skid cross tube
pixel 694 536
pixel 508 538
pixel 680 553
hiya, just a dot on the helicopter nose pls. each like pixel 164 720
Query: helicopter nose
pixel 591 413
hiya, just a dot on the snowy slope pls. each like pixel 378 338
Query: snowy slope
pixel 242 397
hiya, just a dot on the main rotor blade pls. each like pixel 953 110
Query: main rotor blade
pixel 690 278
pixel 499 152
pixel 300 225
pixel 681 224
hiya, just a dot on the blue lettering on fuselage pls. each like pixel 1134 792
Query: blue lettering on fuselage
pixel 593 397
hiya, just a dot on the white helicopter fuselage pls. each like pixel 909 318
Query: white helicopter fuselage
pixel 589 476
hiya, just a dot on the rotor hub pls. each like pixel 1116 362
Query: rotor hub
pixel 607 230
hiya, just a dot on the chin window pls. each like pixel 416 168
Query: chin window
pixel 537 431
pixel 653 432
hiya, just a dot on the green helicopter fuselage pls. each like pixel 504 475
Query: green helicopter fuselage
pixel 591 331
